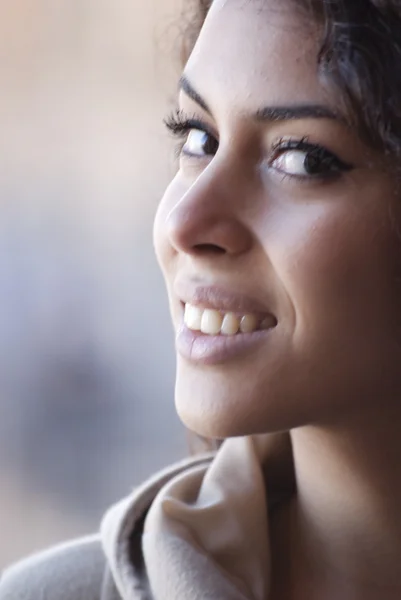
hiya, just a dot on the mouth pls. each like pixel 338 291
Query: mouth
pixel 212 322
pixel 216 327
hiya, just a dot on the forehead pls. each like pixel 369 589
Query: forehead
pixel 257 50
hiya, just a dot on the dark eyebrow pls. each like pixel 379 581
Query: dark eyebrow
pixel 272 113
pixel 186 87
pixel 298 111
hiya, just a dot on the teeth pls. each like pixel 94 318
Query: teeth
pixel 193 317
pixel 211 322
pixel 249 324
pixel 214 322
pixel 230 325
pixel 268 323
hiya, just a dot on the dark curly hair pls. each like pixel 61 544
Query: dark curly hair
pixel 360 53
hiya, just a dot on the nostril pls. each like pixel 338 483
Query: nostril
pixel 208 249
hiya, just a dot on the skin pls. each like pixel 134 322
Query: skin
pixel 323 256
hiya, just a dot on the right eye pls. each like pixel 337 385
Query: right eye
pixel 197 141
pixel 199 144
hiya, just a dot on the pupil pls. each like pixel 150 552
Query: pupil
pixel 312 163
pixel 210 145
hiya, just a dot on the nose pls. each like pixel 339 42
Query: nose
pixel 208 218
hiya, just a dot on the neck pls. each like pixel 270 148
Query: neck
pixel 346 521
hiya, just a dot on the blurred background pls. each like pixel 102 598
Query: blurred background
pixel 86 348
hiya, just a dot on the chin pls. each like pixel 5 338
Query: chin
pixel 217 404
pixel 208 421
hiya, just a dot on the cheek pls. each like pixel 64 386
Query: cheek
pixel 334 261
pixel 162 245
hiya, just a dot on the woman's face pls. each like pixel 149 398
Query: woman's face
pixel 276 238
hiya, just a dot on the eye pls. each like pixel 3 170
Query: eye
pixel 301 159
pixel 292 162
pixel 200 143
pixel 197 140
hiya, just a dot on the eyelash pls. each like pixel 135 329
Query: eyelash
pixel 180 125
pixel 311 150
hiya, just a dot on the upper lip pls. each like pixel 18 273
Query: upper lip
pixel 218 298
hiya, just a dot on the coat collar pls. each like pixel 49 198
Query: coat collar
pixel 198 529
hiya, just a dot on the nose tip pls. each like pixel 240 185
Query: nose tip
pixel 193 231
pixel 208 219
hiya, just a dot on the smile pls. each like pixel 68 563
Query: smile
pixel 218 322
pixel 209 336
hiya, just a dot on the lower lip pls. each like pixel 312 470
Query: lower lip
pixel 213 350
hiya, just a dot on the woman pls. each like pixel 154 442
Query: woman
pixel 279 243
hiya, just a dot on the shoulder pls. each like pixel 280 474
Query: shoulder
pixel 71 571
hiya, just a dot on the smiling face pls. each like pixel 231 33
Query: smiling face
pixel 275 235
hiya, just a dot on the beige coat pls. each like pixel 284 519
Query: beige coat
pixel 198 530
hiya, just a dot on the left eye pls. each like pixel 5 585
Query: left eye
pixel 200 143
pixel 292 162
pixel 304 160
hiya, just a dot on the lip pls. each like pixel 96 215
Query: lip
pixel 219 298
pixel 206 350
pixel 202 349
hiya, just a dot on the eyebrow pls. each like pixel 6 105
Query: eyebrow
pixel 186 87
pixel 297 111
pixel 271 113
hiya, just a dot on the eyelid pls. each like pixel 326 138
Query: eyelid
pixel 304 145
pixel 201 126
pixel 181 122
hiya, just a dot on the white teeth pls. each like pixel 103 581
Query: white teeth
pixel 193 317
pixel 211 322
pixel 214 322
pixel 249 324
pixel 230 325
